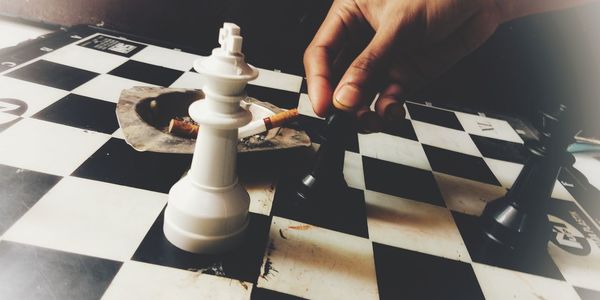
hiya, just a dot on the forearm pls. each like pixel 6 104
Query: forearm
pixel 512 9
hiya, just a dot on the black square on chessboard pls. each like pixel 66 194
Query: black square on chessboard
pixel 20 190
pixel 499 149
pixel 242 263
pixel 483 250
pixel 116 162
pixel 279 98
pixel 147 73
pixel 30 272
pixel 434 116
pixel 304 86
pixel 459 164
pixel 265 294
pixel 52 74
pixel 335 209
pixel 405 274
pixel 401 128
pixel 82 112
pixel 352 143
pixel 400 180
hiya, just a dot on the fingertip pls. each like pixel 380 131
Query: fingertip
pixel 389 106
pixel 390 109
pixel 369 121
pixel 319 94
pixel 348 97
pixel 320 109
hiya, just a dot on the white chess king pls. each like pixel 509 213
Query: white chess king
pixel 207 210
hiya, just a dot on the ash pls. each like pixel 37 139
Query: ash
pixel 257 141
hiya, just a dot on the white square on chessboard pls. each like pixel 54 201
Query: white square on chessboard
pixel 89 217
pixel 5 118
pixel 118 134
pixel 305 107
pixel 580 270
pixel 507 173
pixel 189 80
pixel 168 58
pixel 465 195
pixel 497 283
pixel 353 170
pixel 137 280
pixel 107 87
pixel 413 225
pixel 445 138
pixel 262 192
pixel 47 147
pixel 35 95
pixel 488 127
pixel 393 149
pixel 407 116
pixel 298 253
pixel 85 58
pixel 278 80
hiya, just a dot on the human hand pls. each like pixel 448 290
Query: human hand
pixel 390 47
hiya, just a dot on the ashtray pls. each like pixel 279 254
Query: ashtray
pixel 144 114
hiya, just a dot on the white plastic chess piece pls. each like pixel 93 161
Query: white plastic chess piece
pixel 208 208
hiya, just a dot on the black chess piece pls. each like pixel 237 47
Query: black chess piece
pixel 326 175
pixel 519 219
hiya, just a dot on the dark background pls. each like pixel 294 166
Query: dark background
pixel 529 64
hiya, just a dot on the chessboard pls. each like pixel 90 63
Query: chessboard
pixel 81 212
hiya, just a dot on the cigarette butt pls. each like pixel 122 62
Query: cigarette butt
pixel 183 129
pixel 282 117
pixel 190 130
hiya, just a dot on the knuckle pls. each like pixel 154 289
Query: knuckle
pixel 308 53
pixel 306 57
pixel 366 62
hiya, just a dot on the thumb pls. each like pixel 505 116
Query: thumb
pixel 358 85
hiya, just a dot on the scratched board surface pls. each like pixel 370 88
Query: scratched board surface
pixel 81 212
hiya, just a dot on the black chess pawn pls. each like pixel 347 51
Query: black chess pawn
pixel 326 175
pixel 519 219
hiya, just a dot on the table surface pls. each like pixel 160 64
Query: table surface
pixel 81 212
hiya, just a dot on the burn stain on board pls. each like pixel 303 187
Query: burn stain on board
pixel 268 269
pixel 214 269
pixel 282 235
pixel 243 284
pixel 268 266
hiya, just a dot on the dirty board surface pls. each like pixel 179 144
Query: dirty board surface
pixel 81 212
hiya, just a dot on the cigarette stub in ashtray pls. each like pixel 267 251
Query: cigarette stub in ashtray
pixel 144 114
pixel 189 129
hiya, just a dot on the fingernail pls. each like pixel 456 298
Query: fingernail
pixel 394 112
pixel 347 97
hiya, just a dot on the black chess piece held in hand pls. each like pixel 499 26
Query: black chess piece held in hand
pixel 519 219
pixel 327 173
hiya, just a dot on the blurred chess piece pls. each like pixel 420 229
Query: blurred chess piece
pixel 519 219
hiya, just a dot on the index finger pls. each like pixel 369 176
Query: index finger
pixel 318 61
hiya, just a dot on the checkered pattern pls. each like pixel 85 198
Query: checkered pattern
pixel 81 212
